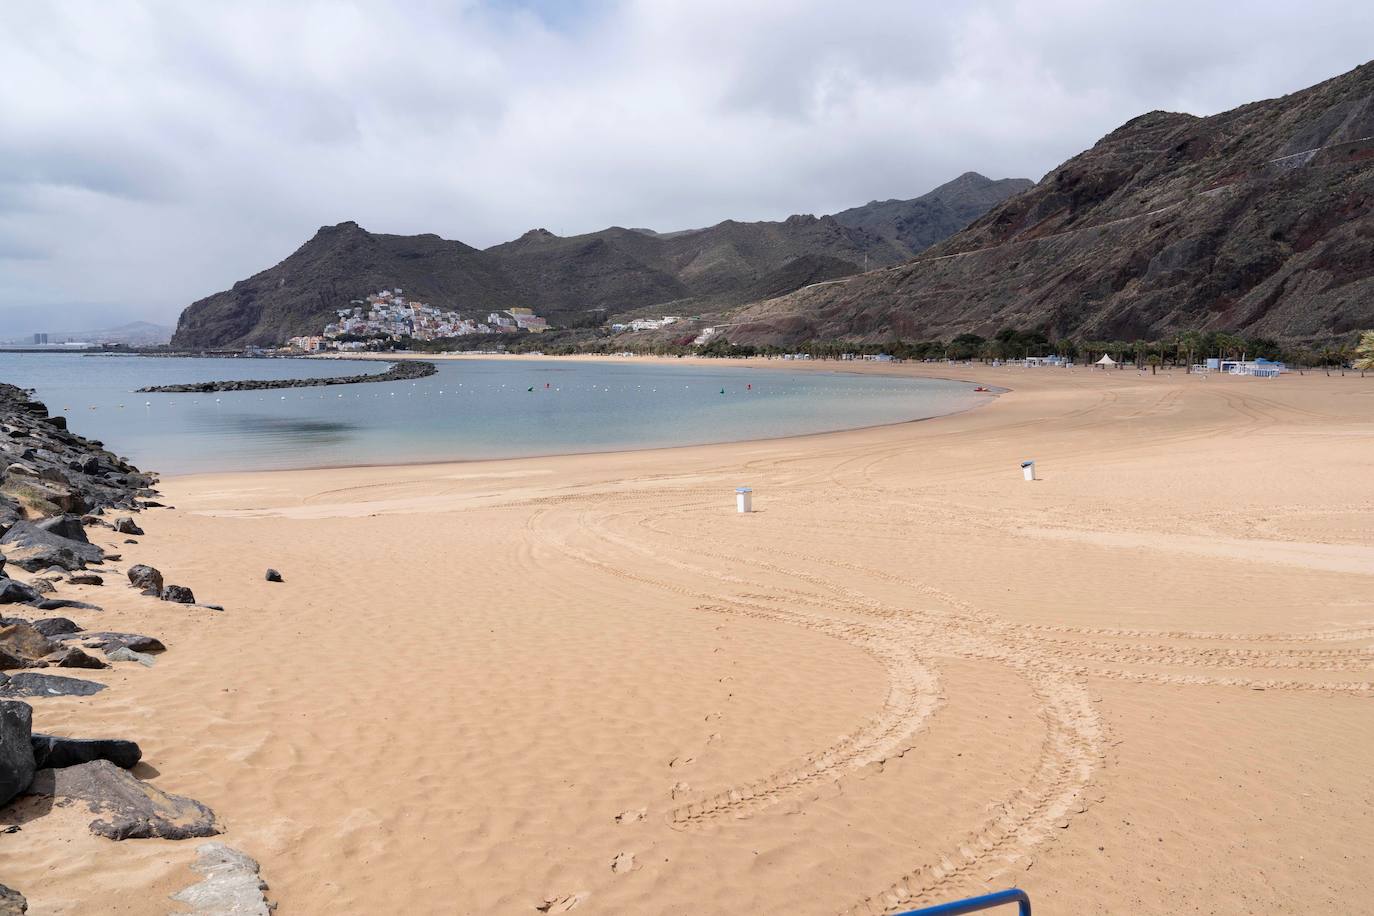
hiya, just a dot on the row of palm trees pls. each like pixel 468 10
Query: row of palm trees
pixel 1186 348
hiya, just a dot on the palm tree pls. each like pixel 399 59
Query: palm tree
pixel 1365 351
pixel 1189 342
pixel 1305 358
pixel 1229 345
pixel 1328 357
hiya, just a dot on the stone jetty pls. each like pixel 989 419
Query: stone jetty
pixel 400 371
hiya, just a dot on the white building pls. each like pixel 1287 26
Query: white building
pixel 1258 368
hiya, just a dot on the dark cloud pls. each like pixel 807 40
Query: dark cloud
pixel 153 152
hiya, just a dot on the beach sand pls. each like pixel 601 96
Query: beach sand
pixel 1139 684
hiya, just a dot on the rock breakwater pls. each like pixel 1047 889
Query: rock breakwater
pixel 403 370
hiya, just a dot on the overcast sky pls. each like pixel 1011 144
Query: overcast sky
pixel 153 153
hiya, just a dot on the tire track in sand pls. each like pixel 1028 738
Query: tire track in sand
pixel 1070 751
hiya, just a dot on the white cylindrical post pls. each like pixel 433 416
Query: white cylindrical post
pixel 1028 470
pixel 744 499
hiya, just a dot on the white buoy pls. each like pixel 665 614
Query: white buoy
pixel 744 499
pixel 1028 470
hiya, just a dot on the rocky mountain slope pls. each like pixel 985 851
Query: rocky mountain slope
pixel 581 280
pixel 340 263
pixel 917 224
pixel 1257 220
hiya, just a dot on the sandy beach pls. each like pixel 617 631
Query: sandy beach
pixel 1140 684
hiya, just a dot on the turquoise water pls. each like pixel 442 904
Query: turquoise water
pixel 471 409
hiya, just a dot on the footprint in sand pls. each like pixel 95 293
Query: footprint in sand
pixel 680 789
pixel 623 863
pixel 631 816
pixel 562 904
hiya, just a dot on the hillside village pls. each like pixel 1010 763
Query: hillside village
pixel 388 316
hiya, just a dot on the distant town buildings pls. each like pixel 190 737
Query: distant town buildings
pixel 307 344
pixel 388 315
pixel 646 324
pixel 40 340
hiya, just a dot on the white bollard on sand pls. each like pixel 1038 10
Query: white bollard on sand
pixel 1028 470
pixel 744 501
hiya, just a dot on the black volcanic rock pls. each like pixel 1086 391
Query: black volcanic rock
pixel 52 752
pixel 12 903
pixel 125 807
pixel 67 526
pixel 53 475
pixel 22 645
pixel 401 370
pixel 1258 220
pixel 31 684
pixel 108 641
pixel 52 627
pixel 31 547
pixel 179 594
pixel 16 748
pixel 146 578
pixel 72 657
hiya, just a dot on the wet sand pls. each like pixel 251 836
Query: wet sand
pixel 1141 683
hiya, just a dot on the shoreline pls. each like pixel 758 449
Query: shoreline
pixel 604 452
pixel 855 369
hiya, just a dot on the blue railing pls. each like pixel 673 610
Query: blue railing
pixel 974 904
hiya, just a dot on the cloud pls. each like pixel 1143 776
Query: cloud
pixel 154 152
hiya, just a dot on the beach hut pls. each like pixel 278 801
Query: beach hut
pixel 1106 362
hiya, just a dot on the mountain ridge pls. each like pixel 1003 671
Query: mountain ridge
pixel 575 281
pixel 1255 220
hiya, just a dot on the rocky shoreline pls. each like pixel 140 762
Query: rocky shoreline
pixel 55 486
pixel 400 371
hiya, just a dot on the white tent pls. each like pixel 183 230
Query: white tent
pixel 1106 362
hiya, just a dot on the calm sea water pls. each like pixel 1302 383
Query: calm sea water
pixel 471 409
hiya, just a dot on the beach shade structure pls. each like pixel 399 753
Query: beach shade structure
pixel 977 904
pixel 1106 362
pixel 1028 470
pixel 744 499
